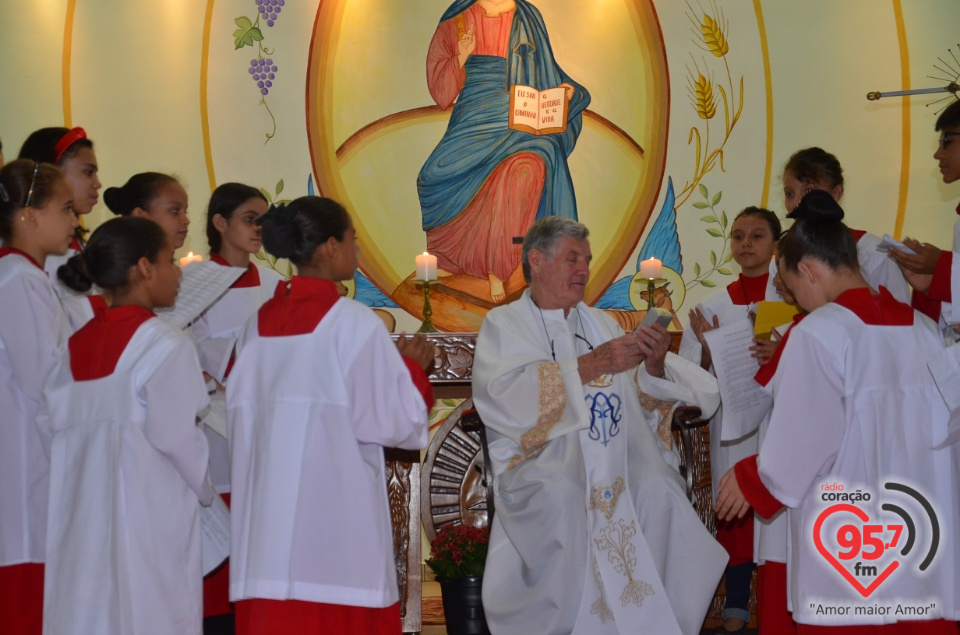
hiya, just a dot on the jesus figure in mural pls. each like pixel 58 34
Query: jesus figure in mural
pixel 485 183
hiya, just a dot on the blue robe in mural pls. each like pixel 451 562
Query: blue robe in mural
pixel 477 139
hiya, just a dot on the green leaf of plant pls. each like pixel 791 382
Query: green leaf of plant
pixel 708 283
pixel 725 271
pixel 696 269
pixel 266 194
pixel 708 219
pixel 704 192
pixel 713 259
pixel 279 186
pixel 289 270
pixel 700 205
pixel 726 259
pixel 716 198
pixel 247 34
pixel 723 218
pixel 449 403
pixel 716 233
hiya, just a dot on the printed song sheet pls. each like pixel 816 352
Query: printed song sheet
pixel 201 285
pixel 214 533
pixel 744 402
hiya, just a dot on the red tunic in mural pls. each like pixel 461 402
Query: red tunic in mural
pixel 505 206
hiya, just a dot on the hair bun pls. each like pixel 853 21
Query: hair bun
pixel 818 206
pixel 279 231
pixel 74 274
pixel 116 201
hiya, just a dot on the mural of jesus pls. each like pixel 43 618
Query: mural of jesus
pixel 485 183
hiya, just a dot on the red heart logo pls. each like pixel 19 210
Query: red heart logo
pixel 862 515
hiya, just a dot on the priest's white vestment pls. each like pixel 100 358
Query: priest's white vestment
pixel 593 532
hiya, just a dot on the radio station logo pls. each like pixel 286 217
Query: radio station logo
pixel 867 550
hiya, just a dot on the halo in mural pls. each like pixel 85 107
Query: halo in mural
pixel 372 125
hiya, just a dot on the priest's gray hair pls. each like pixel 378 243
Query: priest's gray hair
pixel 544 234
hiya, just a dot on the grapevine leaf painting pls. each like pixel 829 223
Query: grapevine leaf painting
pixel 707 99
pixel 262 69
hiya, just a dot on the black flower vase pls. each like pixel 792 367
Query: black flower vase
pixel 462 606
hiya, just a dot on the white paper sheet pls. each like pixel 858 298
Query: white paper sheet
pixel 215 416
pixel 215 534
pixel 945 368
pixel 744 402
pixel 202 284
pixel 888 242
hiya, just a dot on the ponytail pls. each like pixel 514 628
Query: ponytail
pixel 295 231
pixel 114 247
pixel 140 191
pixel 819 233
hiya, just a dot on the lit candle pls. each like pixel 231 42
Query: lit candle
pixel 651 268
pixel 426 267
pixel 186 260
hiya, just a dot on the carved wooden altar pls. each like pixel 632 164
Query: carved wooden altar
pixel 453 363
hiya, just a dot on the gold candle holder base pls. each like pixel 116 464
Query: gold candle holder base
pixel 651 287
pixel 427 325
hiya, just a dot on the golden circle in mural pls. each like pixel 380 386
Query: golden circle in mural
pixel 669 294
pixel 373 125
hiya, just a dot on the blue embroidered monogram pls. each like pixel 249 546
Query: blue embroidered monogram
pixel 604 415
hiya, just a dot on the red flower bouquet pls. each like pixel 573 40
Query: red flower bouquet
pixel 459 551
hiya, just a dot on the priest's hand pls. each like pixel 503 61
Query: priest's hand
pixel 614 356
pixel 731 502
pixel 418 349
pixel 654 343
pixel 924 261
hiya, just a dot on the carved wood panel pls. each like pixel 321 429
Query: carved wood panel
pixel 453 363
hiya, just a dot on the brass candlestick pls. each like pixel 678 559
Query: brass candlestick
pixel 427 325
pixel 651 287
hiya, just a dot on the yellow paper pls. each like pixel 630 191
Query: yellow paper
pixel 771 314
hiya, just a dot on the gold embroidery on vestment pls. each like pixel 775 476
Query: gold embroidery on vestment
pixel 553 401
pixel 604 497
pixel 665 410
pixel 600 608
pixel 615 539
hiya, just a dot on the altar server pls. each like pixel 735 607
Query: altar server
pixel 36 221
pixel 816 169
pixel 934 273
pixel 71 151
pixel 233 235
pixel 155 196
pixel 854 411
pixel 317 391
pixel 753 236
pixel 128 465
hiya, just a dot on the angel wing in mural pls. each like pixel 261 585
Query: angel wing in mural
pixel 485 184
pixel 662 242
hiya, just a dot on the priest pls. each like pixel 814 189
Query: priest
pixel 593 532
